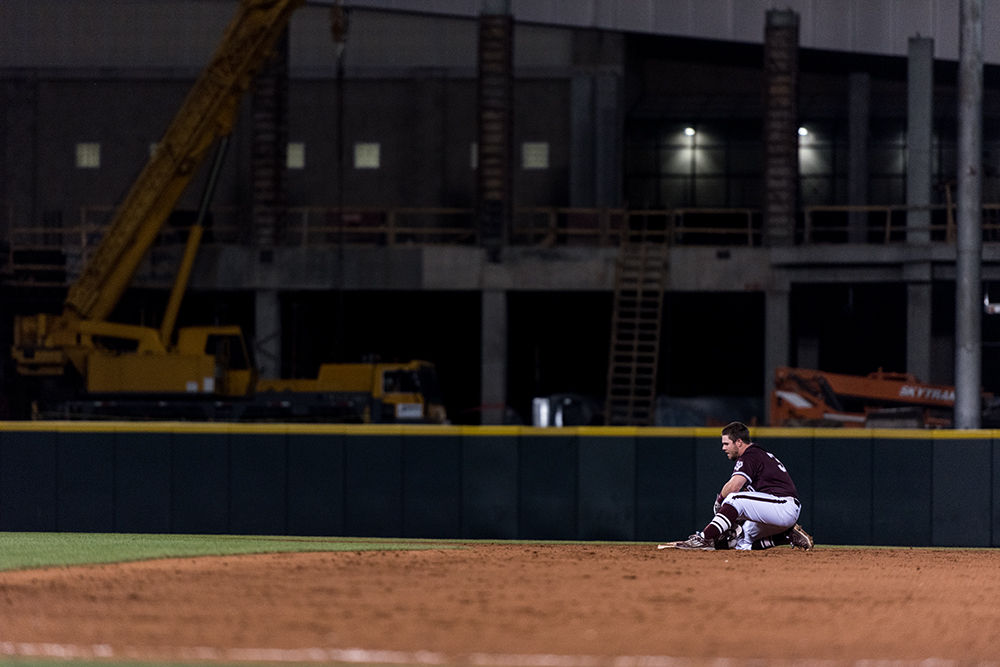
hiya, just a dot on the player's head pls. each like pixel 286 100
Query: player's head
pixel 736 431
pixel 735 439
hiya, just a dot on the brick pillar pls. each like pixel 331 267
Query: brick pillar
pixel 781 145
pixel 495 201
pixel 268 150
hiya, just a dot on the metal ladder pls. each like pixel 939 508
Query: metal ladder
pixel 640 281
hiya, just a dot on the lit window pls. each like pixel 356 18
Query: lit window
pixel 88 155
pixel 367 155
pixel 474 155
pixel 535 155
pixel 296 155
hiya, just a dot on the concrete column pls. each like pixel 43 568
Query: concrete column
pixel 267 338
pixel 776 335
pixel 596 112
pixel 595 139
pixel 582 172
pixel 493 381
pixel 608 138
pixel 918 319
pixel 859 103
pixel 919 115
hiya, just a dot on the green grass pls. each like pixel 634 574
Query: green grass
pixel 37 662
pixel 20 551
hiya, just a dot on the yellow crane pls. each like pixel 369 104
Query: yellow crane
pixel 120 360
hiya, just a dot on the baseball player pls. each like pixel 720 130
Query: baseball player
pixel 758 507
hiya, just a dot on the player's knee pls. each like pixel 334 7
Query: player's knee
pixel 729 510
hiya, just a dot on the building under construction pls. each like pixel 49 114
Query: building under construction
pixel 638 203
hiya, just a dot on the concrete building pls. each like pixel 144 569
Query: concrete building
pixel 803 159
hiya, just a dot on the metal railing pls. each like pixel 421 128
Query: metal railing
pixel 888 224
pixel 54 254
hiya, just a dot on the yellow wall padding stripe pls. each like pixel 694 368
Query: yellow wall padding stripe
pixel 485 431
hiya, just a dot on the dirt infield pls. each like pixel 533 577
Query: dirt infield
pixel 508 604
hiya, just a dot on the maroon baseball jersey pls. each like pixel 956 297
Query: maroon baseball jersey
pixel 764 473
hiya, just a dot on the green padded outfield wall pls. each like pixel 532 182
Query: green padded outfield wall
pixel 882 487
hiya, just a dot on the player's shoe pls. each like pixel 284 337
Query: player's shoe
pixel 730 538
pixel 696 542
pixel 799 538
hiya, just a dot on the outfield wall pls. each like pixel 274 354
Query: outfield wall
pixel 883 487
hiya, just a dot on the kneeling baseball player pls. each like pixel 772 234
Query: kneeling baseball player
pixel 758 507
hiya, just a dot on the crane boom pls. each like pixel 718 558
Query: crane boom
pixel 44 344
pixel 84 366
pixel 207 113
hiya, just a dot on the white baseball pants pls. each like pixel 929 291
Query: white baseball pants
pixel 764 515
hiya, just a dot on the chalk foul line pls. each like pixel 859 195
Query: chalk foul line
pixel 388 657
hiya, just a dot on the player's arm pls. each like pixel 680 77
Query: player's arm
pixel 735 483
